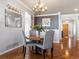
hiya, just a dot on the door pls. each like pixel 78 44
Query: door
pixel 65 30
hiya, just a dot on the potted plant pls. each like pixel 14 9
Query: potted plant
pixel 39 28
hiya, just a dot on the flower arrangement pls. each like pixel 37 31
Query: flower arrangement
pixel 38 28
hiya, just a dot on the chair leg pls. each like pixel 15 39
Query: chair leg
pixel 32 48
pixel 36 49
pixel 43 54
pixel 24 51
pixel 51 52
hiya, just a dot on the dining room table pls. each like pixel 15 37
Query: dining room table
pixel 34 37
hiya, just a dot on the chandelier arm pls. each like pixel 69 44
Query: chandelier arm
pixel 39 8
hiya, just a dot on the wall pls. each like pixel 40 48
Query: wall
pixel 54 21
pixel 3 4
pixel 77 28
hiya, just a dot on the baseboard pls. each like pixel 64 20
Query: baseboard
pixel 10 50
pixel 56 42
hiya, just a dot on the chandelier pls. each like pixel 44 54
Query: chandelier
pixel 39 8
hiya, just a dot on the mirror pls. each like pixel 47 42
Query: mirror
pixel 13 19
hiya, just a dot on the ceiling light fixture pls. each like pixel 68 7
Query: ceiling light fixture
pixel 39 8
pixel 75 9
pixel 13 8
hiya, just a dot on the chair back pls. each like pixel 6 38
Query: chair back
pixel 25 40
pixel 48 39
pixel 32 32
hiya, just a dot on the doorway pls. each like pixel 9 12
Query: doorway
pixel 65 30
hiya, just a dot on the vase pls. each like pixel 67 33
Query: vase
pixel 38 33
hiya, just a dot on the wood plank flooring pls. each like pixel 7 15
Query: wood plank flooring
pixel 67 49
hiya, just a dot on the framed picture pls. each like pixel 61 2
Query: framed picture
pixel 46 22
pixel 12 19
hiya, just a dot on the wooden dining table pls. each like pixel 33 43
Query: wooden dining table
pixel 34 37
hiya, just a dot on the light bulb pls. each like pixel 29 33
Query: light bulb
pixel 35 6
pixel 75 9
pixel 45 7
pixel 36 10
pixel 43 10
pixel 41 5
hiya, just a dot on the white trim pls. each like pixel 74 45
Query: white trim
pixel 11 49
pixel 47 15
pixel 56 42
pixel 25 6
pixel 60 24
pixel 70 14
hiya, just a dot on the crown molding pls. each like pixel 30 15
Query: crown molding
pixel 25 6
pixel 48 14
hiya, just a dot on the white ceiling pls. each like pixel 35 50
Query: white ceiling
pixel 54 6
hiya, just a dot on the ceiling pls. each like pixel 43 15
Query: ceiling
pixel 54 6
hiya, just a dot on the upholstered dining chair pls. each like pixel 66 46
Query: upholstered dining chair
pixel 27 43
pixel 32 32
pixel 47 42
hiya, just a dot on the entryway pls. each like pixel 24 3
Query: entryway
pixel 65 30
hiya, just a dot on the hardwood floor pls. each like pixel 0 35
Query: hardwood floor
pixel 67 49
pixel 15 54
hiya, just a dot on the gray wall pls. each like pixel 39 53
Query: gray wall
pixel 54 21
pixel 3 5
